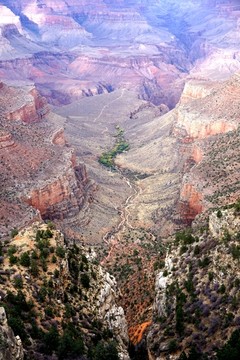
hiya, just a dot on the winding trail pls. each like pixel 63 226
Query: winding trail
pixel 107 105
pixel 112 237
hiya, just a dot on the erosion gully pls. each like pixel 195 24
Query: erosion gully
pixel 131 258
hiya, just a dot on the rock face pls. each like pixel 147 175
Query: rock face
pixel 6 139
pixel 63 197
pixel 190 202
pixel 208 127
pixel 193 289
pixel 22 103
pixel 155 48
pixel 11 346
pixel 40 174
pixel 77 293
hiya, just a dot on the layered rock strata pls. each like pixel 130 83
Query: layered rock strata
pixel 40 174
pixel 205 125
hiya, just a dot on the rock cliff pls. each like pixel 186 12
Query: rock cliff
pixel 197 290
pixel 11 346
pixel 142 46
pixel 38 168
pixel 209 128
pixel 22 103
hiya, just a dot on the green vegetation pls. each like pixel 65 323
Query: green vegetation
pixel 107 158
pixel 180 301
pixel 231 350
pixel 85 280
pixel 14 232
pixel 105 351
pixel 25 259
pixel 184 237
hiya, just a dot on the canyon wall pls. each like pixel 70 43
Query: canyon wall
pixel 41 176
pixel 208 124
pixel 11 346
pixel 105 46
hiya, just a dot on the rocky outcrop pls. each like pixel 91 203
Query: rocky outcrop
pixel 196 89
pixel 225 220
pixel 10 346
pixel 190 202
pixel 196 288
pixel 194 126
pixel 24 104
pixel 112 313
pixel 58 138
pixel 6 139
pixel 40 175
pixel 204 126
pixel 78 293
pixel 61 197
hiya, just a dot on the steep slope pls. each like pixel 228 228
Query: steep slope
pixel 40 176
pixel 11 346
pixel 196 307
pixel 58 300
pixel 210 125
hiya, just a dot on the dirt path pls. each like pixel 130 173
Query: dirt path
pixel 107 105
pixel 113 237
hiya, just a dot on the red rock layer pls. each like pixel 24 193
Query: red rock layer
pixel 6 139
pixel 208 129
pixel 63 197
pixel 40 176
pixel 190 203
pixel 23 104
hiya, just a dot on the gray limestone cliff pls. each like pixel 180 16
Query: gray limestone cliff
pixel 10 346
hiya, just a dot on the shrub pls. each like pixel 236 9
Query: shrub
pixel 51 225
pixel 85 280
pixel 13 259
pixel 18 282
pixel 12 250
pixel 56 273
pixel 70 345
pixel 210 275
pixel 105 351
pixel 185 237
pixel 42 293
pixel 237 207
pixel 204 262
pixel 49 311
pixel 34 267
pixel 231 350
pixel 51 341
pixel 60 252
pixel 25 259
pixel 222 289
pixel 172 346
pixel 196 250
pixel 3 342
pixel 14 232
pixel 18 327
pixel 235 251
pixel 165 273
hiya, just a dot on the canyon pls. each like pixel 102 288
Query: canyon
pixel 79 77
